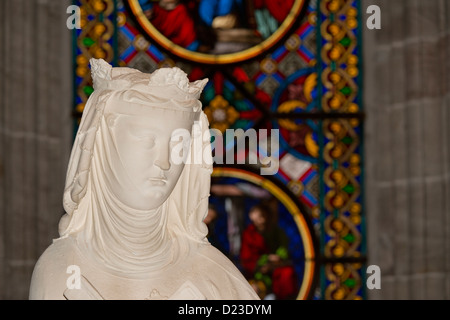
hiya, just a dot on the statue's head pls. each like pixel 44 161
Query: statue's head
pixel 143 173
pixel 127 138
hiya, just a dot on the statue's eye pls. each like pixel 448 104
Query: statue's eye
pixel 148 141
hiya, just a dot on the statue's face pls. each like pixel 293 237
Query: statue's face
pixel 143 170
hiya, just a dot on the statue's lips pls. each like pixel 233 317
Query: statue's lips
pixel 158 181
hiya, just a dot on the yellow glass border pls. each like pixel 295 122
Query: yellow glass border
pixel 221 58
pixel 299 219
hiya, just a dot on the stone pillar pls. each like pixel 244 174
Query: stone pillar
pixel 36 133
pixel 407 139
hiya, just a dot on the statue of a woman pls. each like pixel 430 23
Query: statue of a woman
pixel 133 227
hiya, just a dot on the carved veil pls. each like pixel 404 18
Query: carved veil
pixel 183 212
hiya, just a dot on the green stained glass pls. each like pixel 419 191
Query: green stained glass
pixel 346 90
pixel 349 238
pixel 350 282
pixel 345 41
pixel 88 90
pixel 349 188
pixel 347 140
pixel 88 42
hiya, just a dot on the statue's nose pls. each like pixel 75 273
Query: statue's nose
pixel 162 161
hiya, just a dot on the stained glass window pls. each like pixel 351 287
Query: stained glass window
pixel 292 65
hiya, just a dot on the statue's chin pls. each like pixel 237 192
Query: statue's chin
pixel 148 201
pixel 154 198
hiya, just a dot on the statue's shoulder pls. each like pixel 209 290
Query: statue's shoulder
pixel 214 258
pixel 51 271
pixel 56 256
pixel 224 277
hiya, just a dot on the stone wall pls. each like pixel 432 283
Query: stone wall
pixel 407 102
pixel 35 133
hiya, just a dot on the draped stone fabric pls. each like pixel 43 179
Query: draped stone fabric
pixel 134 212
pixel 92 208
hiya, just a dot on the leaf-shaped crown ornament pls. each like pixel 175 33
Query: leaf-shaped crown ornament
pixel 100 71
pixel 105 76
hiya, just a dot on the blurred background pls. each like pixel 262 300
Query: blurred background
pixel 362 114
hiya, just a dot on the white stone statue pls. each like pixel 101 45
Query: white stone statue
pixel 133 227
